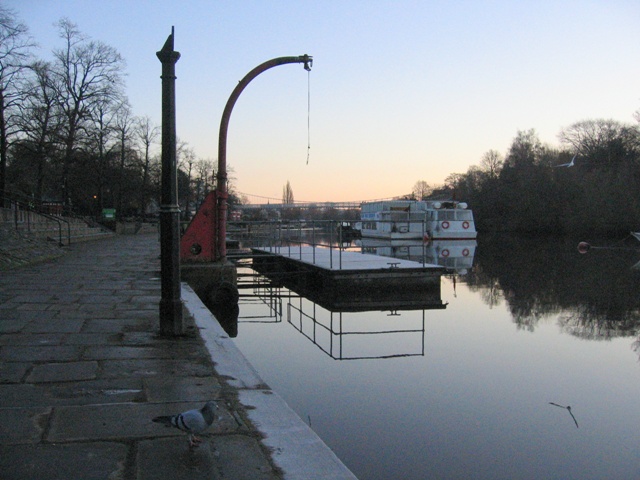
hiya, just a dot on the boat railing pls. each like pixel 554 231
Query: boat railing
pixel 399 225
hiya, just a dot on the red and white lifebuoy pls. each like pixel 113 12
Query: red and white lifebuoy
pixel 445 253
pixel 465 252
pixel 445 224
pixel 465 224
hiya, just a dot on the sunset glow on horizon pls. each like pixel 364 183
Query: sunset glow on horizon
pixel 399 91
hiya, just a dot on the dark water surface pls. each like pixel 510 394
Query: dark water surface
pixel 467 391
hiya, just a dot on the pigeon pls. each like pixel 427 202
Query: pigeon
pixel 192 421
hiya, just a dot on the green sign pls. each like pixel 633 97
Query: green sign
pixel 109 213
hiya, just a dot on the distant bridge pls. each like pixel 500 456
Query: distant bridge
pixel 268 203
pixel 301 205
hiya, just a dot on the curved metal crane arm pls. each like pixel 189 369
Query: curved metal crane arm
pixel 221 188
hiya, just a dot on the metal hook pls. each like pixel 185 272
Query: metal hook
pixel 308 62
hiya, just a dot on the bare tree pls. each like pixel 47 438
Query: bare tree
pixel 125 124
pixel 525 150
pixel 147 134
pixel 287 194
pixel 287 199
pixel 101 141
pixel 204 179
pixel 187 160
pixel 38 123
pixel 85 72
pixel 491 163
pixel 15 46
pixel 421 190
pixel 602 142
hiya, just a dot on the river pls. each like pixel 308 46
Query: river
pixel 531 371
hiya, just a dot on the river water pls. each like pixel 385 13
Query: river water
pixel 530 371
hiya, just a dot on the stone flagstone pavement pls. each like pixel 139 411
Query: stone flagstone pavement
pixel 83 371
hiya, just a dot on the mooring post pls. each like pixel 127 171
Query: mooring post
pixel 170 302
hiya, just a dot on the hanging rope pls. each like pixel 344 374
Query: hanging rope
pixel 308 114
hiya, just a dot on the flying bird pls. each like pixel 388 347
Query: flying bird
pixel 192 421
pixel 570 164
pixel 568 408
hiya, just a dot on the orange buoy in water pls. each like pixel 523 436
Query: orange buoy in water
pixel 583 247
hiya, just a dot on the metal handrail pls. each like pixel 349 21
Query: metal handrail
pixel 15 205
pixel 277 237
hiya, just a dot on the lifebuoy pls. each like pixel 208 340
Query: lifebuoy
pixel 465 252
pixel 445 253
pixel 465 224
pixel 445 224
pixel 426 238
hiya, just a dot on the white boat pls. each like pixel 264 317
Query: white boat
pixel 410 219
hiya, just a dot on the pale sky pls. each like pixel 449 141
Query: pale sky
pixel 400 91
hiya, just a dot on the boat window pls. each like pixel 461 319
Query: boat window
pixel 465 215
pixel 446 215
pixel 398 216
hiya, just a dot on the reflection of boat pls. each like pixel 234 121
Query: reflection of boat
pixel 410 219
pixel 454 255
pixel 636 235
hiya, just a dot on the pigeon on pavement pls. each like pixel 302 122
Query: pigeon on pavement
pixel 192 421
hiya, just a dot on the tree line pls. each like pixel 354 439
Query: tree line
pixel 588 185
pixel 68 134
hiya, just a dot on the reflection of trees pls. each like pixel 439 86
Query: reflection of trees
pixel 593 326
pixel 594 295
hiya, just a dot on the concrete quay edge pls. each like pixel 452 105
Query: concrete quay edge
pixel 296 449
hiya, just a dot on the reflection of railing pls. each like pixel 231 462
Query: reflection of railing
pixel 262 293
pixel 334 339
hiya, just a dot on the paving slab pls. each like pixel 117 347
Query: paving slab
pixel 241 458
pixel 181 389
pixel 40 353
pixel 99 391
pixel 173 458
pixel 13 372
pixel 63 372
pixel 133 368
pixel 12 325
pixel 120 421
pixel 90 461
pixel 32 339
pixel 22 425
pixel 55 325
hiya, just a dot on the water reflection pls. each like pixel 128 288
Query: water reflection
pixel 347 336
pixel 594 296
pixel 339 325
pixel 461 392
pixel 455 255
pixel 337 294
